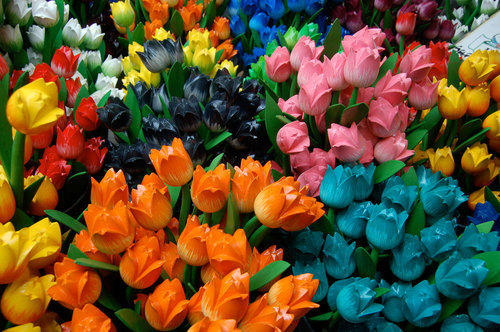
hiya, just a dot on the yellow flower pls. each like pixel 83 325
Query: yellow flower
pixel 188 55
pixel 15 252
pixel 492 121
pixel 25 300
pixel 229 65
pixel 127 65
pixel 131 78
pixel 162 34
pixel 441 160
pixel 478 197
pixel 24 328
pixel 47 236
pixel 419 155
pixel 122 13
pixel 33 109
pixel 151 79
pixel 132 52
pixel 204 59
pixel 46 197
pixel 475 159
pixel 486 177
pixel 476 68
pixel 198 40
pixel 7 199
pixel 452 104
pixel 478 99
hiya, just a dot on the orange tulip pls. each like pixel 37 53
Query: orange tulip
pixel 486 177
pixel 76 285
pixel 221 325
pixel 84 243
pixel 110 190
pixel 226 298
pixel 151 209
pixel 159 11
pixel 229 51
pixel 192 245
pixel 196 8
pixel 167 307
pixel 214 40
pixel 195 313
pixel 262 317
pixel 172 163
pixel 173 225
pixel 221 27
pixel 172 262
pixel 210 190
pixel 295 292
pixel 248 181
pixel 188 17
pixel 111 231
pixel 151 27
pixel 141 265
pixel 154 180
pixel 90 318
pixel 208 272
pixel 283 204
pixel 260 260
pixel 227 252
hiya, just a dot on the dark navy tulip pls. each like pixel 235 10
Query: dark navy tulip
pixel 296 5
pixel 313 6
pixel 258 21
pixel 485 212
pixel 352 221
pixel 186 114
pixel 408 259
pixel 356 302
pixel 483 308
pixel 133 159
pixel 339 257
pixel 459 278
pixel 459 323
pixel 268 34
pixel 224 83
pixel 159 131
pixel 317 269
pixel 253 86
pixel 335 289
pixel 248 134
pixel 197 86
pixel 439 240
pixel 274 8
pixel 421 304
pixel 195 148
pixel 393 299
pixel 364 181
pixel 306 245
pixel 142 92
pixel 473 242
pixel 386 227
pixel 238 27
pixel 338 187
pixel 157 95
pixel 399 196
pixel 248 7
pixel 215 115
pixel 115 115
pixel 249 104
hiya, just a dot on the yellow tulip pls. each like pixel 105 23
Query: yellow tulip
pixel 24 328
pixel 494 58
pixel 478 99
pixel 198 40
pixel 132 52
pixel 492 121
pixel 452 104
pixel 495 89
pixel 204 59
pixel 15 252
pixel 33 109
pixel 229 65
pixel 476 158
pixel 122 13
pixel 419 155
pixel 46 197
pixel 188 55
pixel 478 197
pixel 131 78
pixel 162 34
pixel 151 79
pixel 7 199
pixel 47 236
pixel 25 300
pixel 486 177
pixel 441 160
pixel 127 64
pixel 476 69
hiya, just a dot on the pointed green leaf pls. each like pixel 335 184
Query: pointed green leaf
pixel 269 90
pixel 174 194
pixel 63 92
pixel 107 300
pixel 453 64
pixel 83 93
pixel 430 120
pixel 104 99
pixel 448 307
pixel 469 129
pixel 283 119
pixel 176 81
pixel 387 169
pixel 67 220
pixel 123 136
pixel 268 273
pixel 138 35
pixel 146 110
pixel 415 137
pixel 217 140
pixel 354 113
pixel 416 222
pixel 208 18
pixel 131 102
pixel 364 263
pixel 410 177
pixel 215 162
pixel 5 128
pixel 321 318
pixel 381 291
pixel 96 264
pixel 133 320
pixel 273 125
pixel 21 219
pixel 485 227
pixel 233 215
pixel 21 81
pixel 492 263
pixel 218 55
pixel 388 65
pixel 477 137
pixel 333 114
pixel 177 24
pixel 489 196
pixel 333 40
pixel 75 253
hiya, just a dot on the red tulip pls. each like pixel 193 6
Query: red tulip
pixel 54 167
pixel 72 87
pixel 43 70
pixel 4 67
pixel 91 156
pixel 70 142
pixel 63 62
pixel 405 24
pixel 86 114
pixel 42 140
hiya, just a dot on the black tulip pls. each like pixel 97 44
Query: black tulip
pixel 156 94
pixel 234 117
pixel 253 86
pixel 158 55
pixel 215 115
pixel 115 115
pixel 223 82
pixel 186 114
pixel 197 86
pixel 177 51
pixel 131 158
pixel 247 135
pixel 250 103
pixel 158 131
pixel 142 93
pixel 194 146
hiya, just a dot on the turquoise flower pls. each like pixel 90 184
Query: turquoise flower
pixel 473 242
pixel 338 187
pixel 335 289
pixel 408 261
pixel 442 198
pixel 421 305
pixel 459 323
pixel 356 302
pixel 439 240
pixel 306 245
pixel 379 324
pixel 364 181
pixel 399 196
pixel 392 301
pixel 352 221
pixel 386 228
pixel 339 257
pixel 317 268
pixel 484 308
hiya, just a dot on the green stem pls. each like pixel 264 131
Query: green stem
pixel 448 9
pixel 354 96
pixel 294 86
pixel 333 320
pixel 474 14
pixel 17 168
pixel 388 45
pixel 335 98
pixel 164 76
pixel 401 45
pixel 286 165
pixel 375 12
pixel 185 204
pixel 259 235
pixel 251 225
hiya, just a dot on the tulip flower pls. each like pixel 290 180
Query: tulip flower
pixel 309 68
pixel 36 36
pixel 45 13
pixel 278 66
pixel 7 202
pixel 384 119
pixel 223 325
pixel 86 114
pixel 195 313
pixel 158 11
pixel 221 28
pixel 408 261
pixel 228 252
pixel 112 189
pixel 159 55
pixel 55 168
pixel 92 157
pixel 89 318
pixel 304 50
pixel 93 37
pixel 72 89
pixel 72 33
pixel 191 245
pixel 248 181
pixel 112 231
pixel 76 285
pixel 423 95
pixel 392 148
pixel 63 62
pixel 421 304
pixel 483 305
pixel 33 108
pixel 17 12
pixel 43 70
pixel 293 137
pixel 392 88
pixel 339 257
pixel 442 160
pixel 187 114
pixel 352 221
pixel 43 140
pixel 261 316
pixel 486 177
pixel 25 300
pixel 476 68
pixel 210 190
pixel 151 209
pixel 385 228
pixel 452 104
pixel 399 196
pixel 11 39
pixel 84 243
pixel 47 238
pixel 122 13
pixel 347 144
pixel 337 188
pixel 70 142
pixel 356 302
pixel 405 23
pixel 173 164
pixel 416 63
pixel 315 96
pixel 46 197
pixel 261 260
pixel 478 99
pixel 334 71
pixel 361 67
pixel 476 158
pixel 284 204
pixel 172 262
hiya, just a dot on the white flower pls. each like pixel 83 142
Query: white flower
pixel 36 36
pixel 118 93
pixel 98 94
pixel 459 12
pixel 66 14
pixel 30 68
pixel 45 13
pixel 91 58
pixel 104 82
pixel 478 21
pixel 442 18
pixel 112 67
pixel 460 31
pixel 17 12
pixel 34 57
pixel 93 37
pixel 83 80
pixel 10 38
pixel 489 6
pixel 73 33
pixel 456 22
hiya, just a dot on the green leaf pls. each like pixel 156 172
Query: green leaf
pixel 333 40
pixel 410 177
pixel 174 194
pixel 321 318
pixel 21 219
pixel 469 129
pixel 218 55
pixel 20 59
pixel 479 136
pixel 453 64
pixel 75 253
pixel 176 80
pixel 269 90
pixel 82 69
pixel 96 264
pixel 485 227
pixel 215 162
pixel 415 137
pixel 381 291
pixel 276 175
pixel 104 99
pixel 366 266
pixel 416 222
pixel 233 215
pixel 217 140
pixel 208 18
pixel 31 190
pixel 273 125
pixel 177 24
pixel 388 20
pixel 489 196
pixel 387 169
pixel 388 64
pixel 123 136
pixel 5 128
pixel 66 220
pixel 107 300
pixel 84 173
pixel 333 114
pixel 83 93
pixel 354 113
pixel 131 102
pixel 268 273
pixel 138 35
pixel 430 120
pixel 21 81
pixel 492 263
pixel 282 40
pixel 133 320
pixel 146 110
pixel 448 307
pixel 63 92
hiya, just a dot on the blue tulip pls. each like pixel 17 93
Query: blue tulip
pixel 306 245
pixel 364 181
pixel 296 5
pixel 273 8
pixel 268 34
pixel 392 300
pixel 484 308
pixel 473 242
pixel 232 8
pixel 379 324
pixel 258 21
pixel 352 221
pixel 335 289
pixel 399 196
pixel 356 302
pixel 248 7
pixel 237 26
pixel 317 268
pixel 439 240
pixel 338 187
pixel 386 228
pixel 313 6
pixel 458 278
pixel 459 323
pixel 486 212
pixel 339 257
pixel 421 306
pixel 442 198
pixel 408 261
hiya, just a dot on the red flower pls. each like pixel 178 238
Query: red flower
pixel 93 157
pixel 62 122
pixel 70 142
pixel 72 86
pixel 54 167
pixel 42 140
pixel 86 114
pixel 4 67
pixel 14 77
pixel 64 63
pixel 440 57
pixel 405 24
pixel 43 70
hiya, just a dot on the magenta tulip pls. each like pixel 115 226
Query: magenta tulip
pixel 304 50
pixel 278 67
pixel 334 71
pixel 423 95
pixel 315 96
pixel 392 148
pixel 392 88
pixel 293 137
pixel 348 144
pixel 361 67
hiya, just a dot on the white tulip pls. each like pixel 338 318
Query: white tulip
pixel 72 33
pixel 17 12
pixel 112 67
pixel 478 21
pixel 34 57
pixel 104 82
pixel 459 12
pixel 10 38
pixel 30 68
pixel 489 7
pixel 460 31
pixel 45 13
pixel 83 80
pixel 98 94
pixel 93 37
pixel 91 58
pixel 66 14
pixel 36 36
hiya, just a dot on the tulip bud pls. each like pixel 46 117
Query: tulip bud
pixel 385 228
pixel 90 318
pixel 482 304
pixel 476 68
pixel 278 67
pixel 92 59
pixel 421 304
pixel 339 257
pixel 452 104
pixel 442 160
pixel 408 261
pixel 72 33
pixel 47 236
pixel 405 23
pixel 112 67
pixel 122 13
pixel 92 157
pixel 432 30
pixel 495 88
pixel 17 12
pixel 93 36
pixel 46 197
pixel 192 242
pixel 476 158
pixel 45 13
pixel 70 142
pixel 10 38
pixel 210 190
pixel 392 301
pixel 336 181
pixel 173 156
pixel 7 201
pixel 36 36
pixel 167 307
pixel 356 302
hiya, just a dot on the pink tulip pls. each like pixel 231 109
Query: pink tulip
pixel 417 63
pixel 405 23
pixel 374 34
pixel 320 120
pixel 392 148
pixel 315 96
pixel 301 162
pixel 361 67
pixel 334 71
pixel 278 66
pixel 423 95
pixel 364 129
pixel 347 144
pixel 364 95
pixel 367 157
pixel 291 106
pixel 312 178
pixel 320 157
pixel 392 88
pixel 307 69
pixel 293 137
pixel 304 50
pixel 366 37
pixel 383 118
